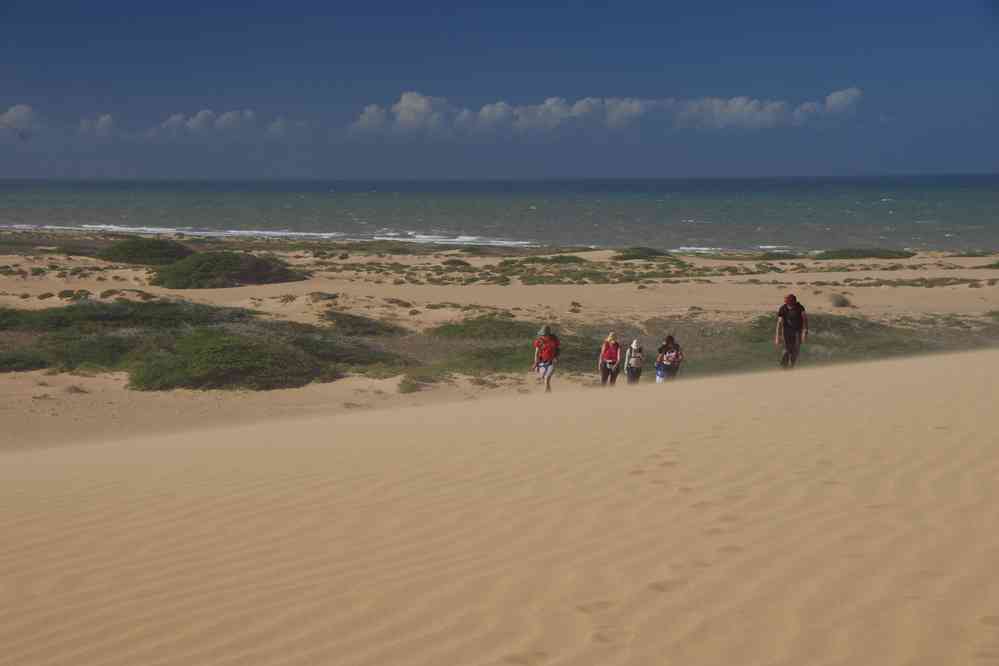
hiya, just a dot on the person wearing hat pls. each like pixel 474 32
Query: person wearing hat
pixel 546 353
pixel 633 359
pixel 609 361
pixel 792 330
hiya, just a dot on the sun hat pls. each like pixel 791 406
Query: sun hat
pixel 635 345
pixel 545 330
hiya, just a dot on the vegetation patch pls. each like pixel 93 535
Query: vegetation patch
pixel 208 358
pixel 864 253
pixel 22 360
pixel 216 270
pixel 356 325
pixel 840 301
pixel 640 254
pixel 146 251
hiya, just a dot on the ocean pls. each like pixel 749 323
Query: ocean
pixel 938 212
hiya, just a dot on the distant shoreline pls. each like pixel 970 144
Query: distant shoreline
pixel 442 243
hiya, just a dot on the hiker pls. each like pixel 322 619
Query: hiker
pixel 669 356
pixel 609 362
pixel 546 353
pixel 633 359
pixel 792 329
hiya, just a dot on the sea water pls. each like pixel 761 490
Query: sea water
pixel 925 212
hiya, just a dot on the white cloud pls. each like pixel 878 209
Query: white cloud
pixel 236 119
pixel 19 119
pixel 207 121
pixel 102 126
pixel 837 103
pixel 201 121
pixel 416 113
pixel 372 118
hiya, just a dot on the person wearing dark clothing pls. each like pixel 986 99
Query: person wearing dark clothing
pixel 669 356
pixel 792 330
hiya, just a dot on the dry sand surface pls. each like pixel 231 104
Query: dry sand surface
pixel 843 515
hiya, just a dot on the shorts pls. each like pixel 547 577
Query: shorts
pixel 546 370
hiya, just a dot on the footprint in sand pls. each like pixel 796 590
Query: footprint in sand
pixel 609 635
pixel 636 472
pixel 731 549
pixel 664 586
pixel 526 658
pixel 990 620
pixel 713 531
pixel 595 606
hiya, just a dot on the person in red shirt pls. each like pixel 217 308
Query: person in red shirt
pixel 546 352
pixel 609 362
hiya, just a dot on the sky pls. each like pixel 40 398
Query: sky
pixel 394 89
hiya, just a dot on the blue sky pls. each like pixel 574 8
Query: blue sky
pixel 389 89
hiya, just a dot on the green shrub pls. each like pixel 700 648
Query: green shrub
pixel 640 253
pixel 351 324
pixel 146 251
pixel 840 301
pixel 89 317
pixel 22 360
pixel 216 270
pixel 487 327
pixel 456 263
pixel 212 358
pixel 70 352
pixel 865 253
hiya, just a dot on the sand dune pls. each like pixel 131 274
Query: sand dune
pixel 843 515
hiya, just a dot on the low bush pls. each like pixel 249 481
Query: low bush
pixel 146 251
pixel 487 327
pixel 840 301
pixel 351 324
pixel 865 253
pixel 640 253
pixel 212 358
pixel 22 360
pixel 90 317
pixel 217 270
pixel 68 351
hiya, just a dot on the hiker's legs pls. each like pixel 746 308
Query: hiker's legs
pixel 548 372
pixel 637 376
pixel 792 346
pixel 604 374
pixel 613 376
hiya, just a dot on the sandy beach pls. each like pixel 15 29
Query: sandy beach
pixel 830 516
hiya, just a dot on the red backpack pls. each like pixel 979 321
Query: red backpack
pixel 548 348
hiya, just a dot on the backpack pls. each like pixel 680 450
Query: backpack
pixel 636 357
pixel 548 348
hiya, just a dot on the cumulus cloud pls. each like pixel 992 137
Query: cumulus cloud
pixel 206 121
pixel 19 120
pixel 102 126
pixel 415 113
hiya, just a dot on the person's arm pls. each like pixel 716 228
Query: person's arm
pixel 780 329
pixel 600 356
pixel 627 358
pixel 804 326
pixel 537 352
